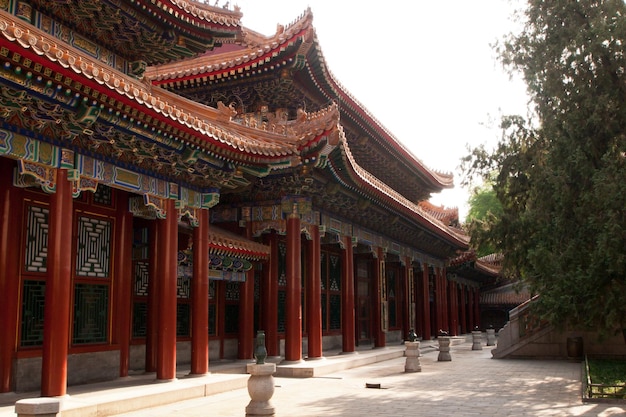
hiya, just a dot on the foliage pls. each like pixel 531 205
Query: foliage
pixel 608 378
pixel 484 210
pixel 561 175
pixel 607 371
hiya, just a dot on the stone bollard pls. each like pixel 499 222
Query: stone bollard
pixel 491 336
pixel 444 349
pixel 477 337
pixel 412 354
pixel 38 407
pixel 261 389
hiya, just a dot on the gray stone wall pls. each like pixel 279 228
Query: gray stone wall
pixel 82 368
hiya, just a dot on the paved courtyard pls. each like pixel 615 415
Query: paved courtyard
pixel 472 384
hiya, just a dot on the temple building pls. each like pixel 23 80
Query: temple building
pixel 172 182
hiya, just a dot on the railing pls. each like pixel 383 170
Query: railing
pixel 521 326
pixel 603 390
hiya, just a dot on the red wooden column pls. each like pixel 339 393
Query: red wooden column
pixel 425 304
pixel 410 292
pixel 56 331
pixel 453 307
pixel 166 277
pixel 10 206
pixel 293 301
pixel 123 274
pixel 200 297
pixel 380 298
pixel 152 327
pixel 463 308
pixel 347 296
pixel 269 296
pixel 314 294
pixel 245 349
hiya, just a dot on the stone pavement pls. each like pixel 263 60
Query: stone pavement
pixel 472 384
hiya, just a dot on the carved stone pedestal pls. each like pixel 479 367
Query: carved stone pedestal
pixel 38 407
pixel 412 354
pixel 477 338
pixel 491 337
pixel 261 389
pixel 444 349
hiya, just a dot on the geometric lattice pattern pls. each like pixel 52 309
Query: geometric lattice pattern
pixel 282 264
pixel 282 305
pixel 36 254
pixel 335 273
pixel 93 253
pixel 232 291
pixel 140 319
pixel 183 318
pixel 33 295
pixel 183 287
pixel 331 286
pixel 103 196
pixel 142 277
pixel 91 313
pixel 212 290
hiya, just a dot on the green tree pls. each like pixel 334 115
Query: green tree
pixel 561 175
pixel 484 210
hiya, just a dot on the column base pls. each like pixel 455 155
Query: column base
pixel 39 407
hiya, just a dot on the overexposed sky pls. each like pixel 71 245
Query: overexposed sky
pixel 424 69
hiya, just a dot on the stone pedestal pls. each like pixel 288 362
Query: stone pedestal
pixel 444 349
pixel 38 407
pixel 261 389
pixel 491 337
pixel 477 338
pixel 412 354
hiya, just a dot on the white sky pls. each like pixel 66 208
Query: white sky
pixel 424 69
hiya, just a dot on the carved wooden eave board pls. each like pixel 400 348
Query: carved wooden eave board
pixel 62 96
pixel 288 70
pixel 223 242
pixel 149 31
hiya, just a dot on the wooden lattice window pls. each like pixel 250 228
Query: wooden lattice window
pixel 231 307
pixel 33 296
pixel 93 252
pixel 392 290
pixel 282 286
pixel 91 318
pixel 92 286
pixel 331 291
pixel 36 251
